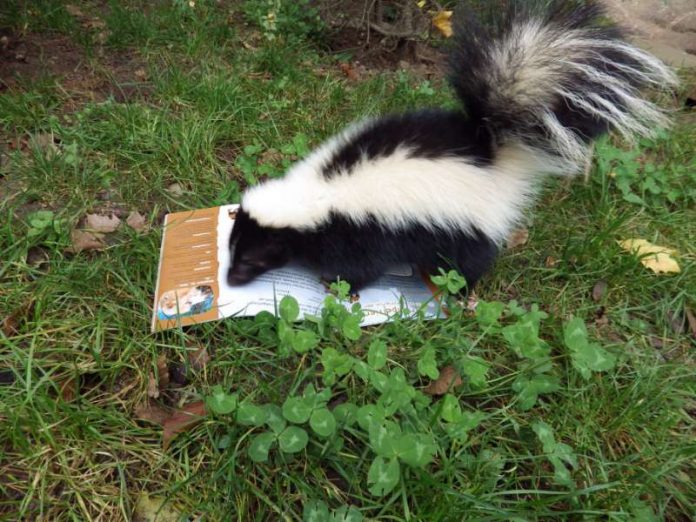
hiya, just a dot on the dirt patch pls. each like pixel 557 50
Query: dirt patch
pixel 26 59
pixel 371 51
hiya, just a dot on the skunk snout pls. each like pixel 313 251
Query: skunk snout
pixel 242 273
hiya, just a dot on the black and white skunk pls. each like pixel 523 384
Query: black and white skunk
pixel 444 188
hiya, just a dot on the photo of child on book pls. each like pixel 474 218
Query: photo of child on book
pixel 184 302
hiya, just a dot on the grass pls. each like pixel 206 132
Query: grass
pixel 77 354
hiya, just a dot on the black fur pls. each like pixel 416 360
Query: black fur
pixel 428 134
pixel 357 254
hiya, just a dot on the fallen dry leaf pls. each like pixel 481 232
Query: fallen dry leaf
pixel 152 386
pixel 349 71
pixel 154 509
pixel 598 290
pixel 691 319
pixel 517 237
pixel 472 301
pixel 46 142
pixel 657 258
pixel 199 358
pixel 162 371
pixel 85 240
pixel 101 223
pixel 136 221
pixel 75 11
pixel 175 189
pixel 153 413
pixel 68 389
pixel 182 420
pixel 447 381
pixel 140 73
pixel 443 23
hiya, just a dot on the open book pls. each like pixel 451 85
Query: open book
pixel 192 285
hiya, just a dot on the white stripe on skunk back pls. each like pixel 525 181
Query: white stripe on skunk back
pixel 535 64
pixel 399 191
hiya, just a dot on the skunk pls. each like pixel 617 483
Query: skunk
pixel 440 188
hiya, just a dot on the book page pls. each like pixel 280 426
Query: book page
pixel 192 280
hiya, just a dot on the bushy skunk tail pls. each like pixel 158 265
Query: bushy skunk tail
pixel 551 75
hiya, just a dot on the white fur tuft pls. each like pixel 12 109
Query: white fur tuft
pixel 535 64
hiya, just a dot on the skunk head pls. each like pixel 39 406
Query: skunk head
pixel 255 249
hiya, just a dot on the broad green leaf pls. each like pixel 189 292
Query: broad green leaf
pixel 260 446
pixel 274 418
pixel 528 390
pixel 346 413
pixel 451 409
pixel 427 364
pixel 476 369
pixel 377 354
pixel 346 514
pixel 249 414
pixel 351 327
pixel 383 437
pixel 416 449
pixel 220 402
pixel 315 511
pixel 369 414
pixel 293 439
pixel 378 380
pixel 297 409
pixel 304 341
pixel 286 334
pixel 339 363
pixel 586 357
pixel 592 358
pixel 544 433
pixel 383 476
pixel 468 420
pixel 323 422
pixel 289 309
pixel 575 334
pixel 362 369
pixel 488 313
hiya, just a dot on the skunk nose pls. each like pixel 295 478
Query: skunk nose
pixel 237 277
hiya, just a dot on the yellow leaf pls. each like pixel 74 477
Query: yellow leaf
pixel 657 258
pixel 443 22
pixel 154 509
pixel 421 4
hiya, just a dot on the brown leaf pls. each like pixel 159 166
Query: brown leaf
pixel 550 262
pixel 199 358
pixel 152 386
pixel 136 221
pixel 349 71
pixel 140 73
pixel 448 380
pixel 85 240
pixel 101 223
pixel 691 319
pixel 162 371
pixel 74 11
pixel 10 325
pixel 598 290
pixel 46 142
pixel 182 420
pixel 68 389
pixel 153 413
pixel 517 238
